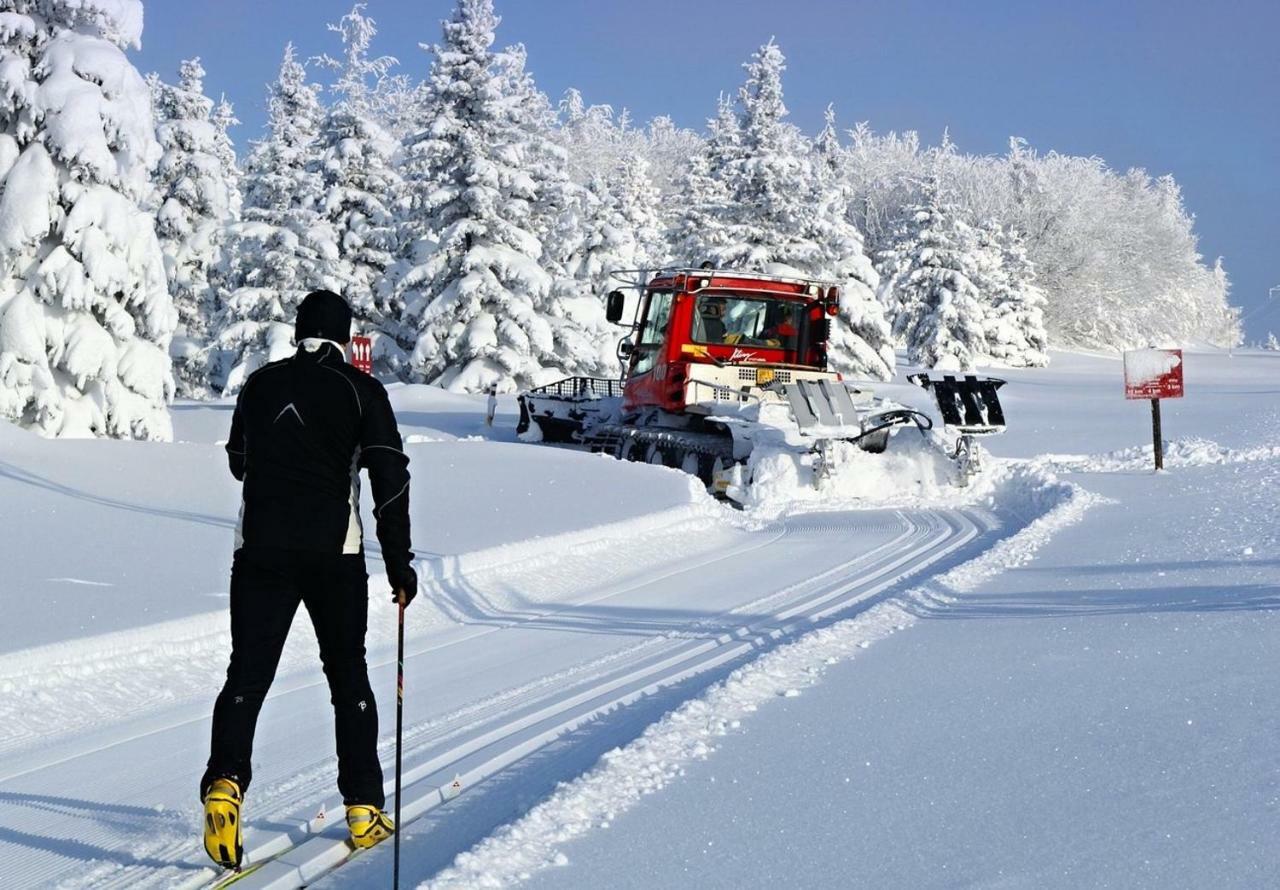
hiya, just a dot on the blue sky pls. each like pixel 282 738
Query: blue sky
pixel 1177 87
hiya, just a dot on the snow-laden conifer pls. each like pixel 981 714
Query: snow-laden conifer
pixel 360 188
pixel 1013 315
pixel 861 342
pixel 583 339
pixel 700 230
pixel 940 310
pixel 770 180
pixel 224 118
pixel 85 313
pixel 197 201
pixel 623 230
pixel 283 247
pixel 474 286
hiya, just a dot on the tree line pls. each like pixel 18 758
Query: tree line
pixel 474 225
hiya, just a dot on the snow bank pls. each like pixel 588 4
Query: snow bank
pixel 650 763
pixel 1192 451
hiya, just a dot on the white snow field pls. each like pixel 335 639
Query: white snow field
pixel 1062 676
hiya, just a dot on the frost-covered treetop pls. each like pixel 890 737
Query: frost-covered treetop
pixel 761 98
pixel 118 21
pixel 356 70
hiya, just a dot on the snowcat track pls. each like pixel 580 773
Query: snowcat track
pixel 444 776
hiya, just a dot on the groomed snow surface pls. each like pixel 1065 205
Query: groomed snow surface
pixel 1061 676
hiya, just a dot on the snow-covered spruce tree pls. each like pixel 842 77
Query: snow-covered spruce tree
pixel 224 118
pixel 861 342
pixel 770 181
pixel 700 230
pixel 360 189
pixel 622 230
pixel 1272 343
pixel 85 314
pixel 941 312
pixel 197 203
pixel 477 298
pixel 1013 304
pixel 283 247
pixel 583 339
pixel 589 135
pixel 668 149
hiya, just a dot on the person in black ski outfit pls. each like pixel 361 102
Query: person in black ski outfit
pixel 302 430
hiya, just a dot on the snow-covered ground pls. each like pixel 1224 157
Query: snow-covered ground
pixel 1044 681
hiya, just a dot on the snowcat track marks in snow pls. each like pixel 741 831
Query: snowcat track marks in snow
pixel 719 363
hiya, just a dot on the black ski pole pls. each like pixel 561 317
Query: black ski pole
pixel 395 880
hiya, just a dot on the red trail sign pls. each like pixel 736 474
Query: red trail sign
pixel 362 354
pixel 1153 374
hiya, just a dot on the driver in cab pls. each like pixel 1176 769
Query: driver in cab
pixel 779 330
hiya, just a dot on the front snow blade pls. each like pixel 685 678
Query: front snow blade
pixel 823 409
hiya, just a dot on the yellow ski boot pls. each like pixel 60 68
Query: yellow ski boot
pixel 368 826
pixel 222 838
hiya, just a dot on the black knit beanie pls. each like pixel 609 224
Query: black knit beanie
pixel 323 314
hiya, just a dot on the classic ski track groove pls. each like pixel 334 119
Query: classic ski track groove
pixel 320 850
pixel 285 686
pixel 491 733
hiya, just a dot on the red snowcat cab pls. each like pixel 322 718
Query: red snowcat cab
pixel 717 364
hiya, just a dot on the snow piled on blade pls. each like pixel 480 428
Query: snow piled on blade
pixel 651 762
pixel 914 471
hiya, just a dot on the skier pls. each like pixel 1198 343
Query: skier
pixel 302 429
pixel 491 406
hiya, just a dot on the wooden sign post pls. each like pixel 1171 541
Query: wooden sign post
pixel 1153 374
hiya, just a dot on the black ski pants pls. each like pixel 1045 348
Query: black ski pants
pixel 266 587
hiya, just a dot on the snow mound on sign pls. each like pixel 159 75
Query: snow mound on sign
pixel 1188 452
pixel 914 471
pixel 1148 365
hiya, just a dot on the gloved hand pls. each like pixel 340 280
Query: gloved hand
pixel 403 579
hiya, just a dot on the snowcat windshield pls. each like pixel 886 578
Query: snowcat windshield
pixel 760 322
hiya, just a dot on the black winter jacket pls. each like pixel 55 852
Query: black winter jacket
pixel 303 428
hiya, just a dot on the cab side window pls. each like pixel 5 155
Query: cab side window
pixel 653 332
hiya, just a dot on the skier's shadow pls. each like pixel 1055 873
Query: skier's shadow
pixel 127 818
